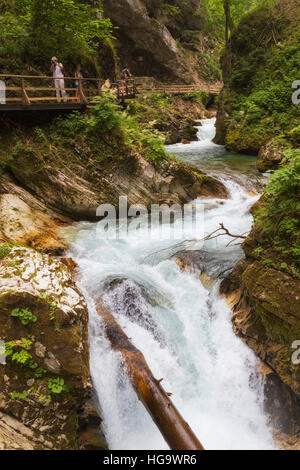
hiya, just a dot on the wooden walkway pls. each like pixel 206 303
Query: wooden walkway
pixel 31 92
pixel 185 89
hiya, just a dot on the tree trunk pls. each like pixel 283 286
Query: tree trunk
pixel 171 424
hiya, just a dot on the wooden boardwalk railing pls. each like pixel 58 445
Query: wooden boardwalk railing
pixel 184 89
pixel 39 92
pixel 28 90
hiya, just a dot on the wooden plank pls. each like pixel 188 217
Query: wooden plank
pixel 71 106
pixel 48 89
pixel 25 98
pixel 52 98
pixel 13 88
pixel 46 77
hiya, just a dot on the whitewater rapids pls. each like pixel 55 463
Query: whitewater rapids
pixel 182 328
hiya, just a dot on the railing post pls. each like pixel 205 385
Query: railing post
pixel 25 98
pixel 99 87
pixel 83 99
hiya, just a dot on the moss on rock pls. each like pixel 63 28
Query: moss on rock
pixel 53 348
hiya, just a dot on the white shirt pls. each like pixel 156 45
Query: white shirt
pixel 57 72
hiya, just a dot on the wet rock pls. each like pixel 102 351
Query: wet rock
pixel 271 154
pixel 90 434
pixel 128 299
pixel 22 223
pixel 77 193
pixel 141 35
pixel 214 264
pixel 52 364
pixel 40 349
pixel 56 349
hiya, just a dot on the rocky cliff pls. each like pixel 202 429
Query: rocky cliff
pixel 163 40
pixel 264 293
pixel 45 382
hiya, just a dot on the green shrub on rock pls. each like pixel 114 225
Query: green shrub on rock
pixel 24 315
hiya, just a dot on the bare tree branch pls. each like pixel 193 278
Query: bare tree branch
pixel 220 232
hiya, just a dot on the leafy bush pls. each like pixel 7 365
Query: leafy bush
pixel 24 315
pixel 278 217
pixel 57 386
pixel 108 119
pixel 32 30
pixel 5 250
pixel 22 395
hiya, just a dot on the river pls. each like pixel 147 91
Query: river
pixel 182 328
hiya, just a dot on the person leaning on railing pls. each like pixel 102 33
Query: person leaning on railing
pixel 58 72
pixel 78 76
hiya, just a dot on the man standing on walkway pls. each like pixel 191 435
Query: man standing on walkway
pixel 57 70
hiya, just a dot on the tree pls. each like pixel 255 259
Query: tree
pixel 67 27
pixel 31 31
pixel 224 15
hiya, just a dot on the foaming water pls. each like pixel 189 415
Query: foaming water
pixel 183 329
pixel 215 159
pixel 203 147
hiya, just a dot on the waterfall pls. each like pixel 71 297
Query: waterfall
pixel 183 329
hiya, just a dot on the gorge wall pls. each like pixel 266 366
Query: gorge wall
pixel 165 41
pixel 256 113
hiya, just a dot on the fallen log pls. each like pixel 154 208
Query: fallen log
pixel 175 430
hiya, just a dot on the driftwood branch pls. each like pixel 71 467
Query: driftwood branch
pixel 220 232
pixel 171 424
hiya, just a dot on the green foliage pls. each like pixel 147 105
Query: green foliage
pixel 215 14
pixel 196 96
pixel 259 250
pixel 267 263
pixel 22 395
pixel 45 398
pixel 154 147
pixel 264 60
pixel 52 310
pixel 170 9
pixel 5 250
pixel 108 118
pixel 278 217
pixel 35 30
pixel 286 179
pixel 16 351
pixel 21 357
pixel 24 315
pixel 40 372
pixel 57 386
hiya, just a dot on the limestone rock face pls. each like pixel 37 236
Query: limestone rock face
pixel 146 44
pixel 266 315
pixel 75 191
pixel 45 380
pixel 28 225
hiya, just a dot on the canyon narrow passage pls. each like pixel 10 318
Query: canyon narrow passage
pixel 180 324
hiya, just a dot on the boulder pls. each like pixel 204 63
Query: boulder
pixel 45 381
pixel 73 190
pixel 28 225
pixel 270 155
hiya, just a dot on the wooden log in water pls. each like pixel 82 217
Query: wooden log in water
pixel 175 430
